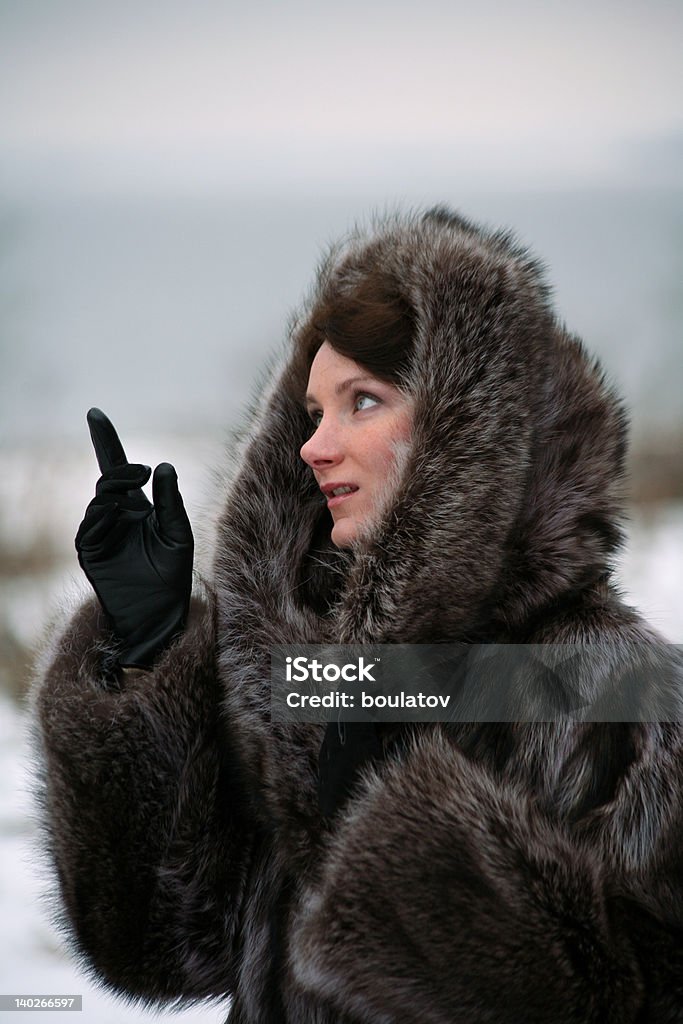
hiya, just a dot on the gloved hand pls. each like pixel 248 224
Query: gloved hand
pixel 137 556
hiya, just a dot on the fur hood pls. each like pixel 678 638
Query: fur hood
pixel 510 497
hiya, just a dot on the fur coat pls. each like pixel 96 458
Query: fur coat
pixel 504 872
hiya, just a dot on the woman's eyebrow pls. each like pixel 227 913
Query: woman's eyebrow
pixel 340 388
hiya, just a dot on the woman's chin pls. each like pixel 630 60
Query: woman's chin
pixel 344 533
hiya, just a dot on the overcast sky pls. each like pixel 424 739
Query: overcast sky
pixel 588 92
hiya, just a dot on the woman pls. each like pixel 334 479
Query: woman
pixel 473 872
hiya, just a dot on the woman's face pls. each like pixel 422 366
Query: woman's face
pixel 361 424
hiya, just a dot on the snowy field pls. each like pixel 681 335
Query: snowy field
pixel 41 497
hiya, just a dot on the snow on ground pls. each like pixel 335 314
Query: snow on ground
pixel 651 568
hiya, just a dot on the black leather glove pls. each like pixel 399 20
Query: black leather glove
pixel 137 556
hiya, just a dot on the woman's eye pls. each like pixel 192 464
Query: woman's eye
pixel 315 418
pixel 360 399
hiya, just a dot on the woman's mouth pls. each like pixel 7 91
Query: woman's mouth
pixel 336 494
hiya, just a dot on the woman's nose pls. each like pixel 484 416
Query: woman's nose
pixel 323 448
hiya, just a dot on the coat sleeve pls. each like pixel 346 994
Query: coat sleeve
pixel 144 817
pixel 447 897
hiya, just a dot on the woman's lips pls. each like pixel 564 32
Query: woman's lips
pixel 333 500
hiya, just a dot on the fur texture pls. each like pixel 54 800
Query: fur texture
pixel 481 873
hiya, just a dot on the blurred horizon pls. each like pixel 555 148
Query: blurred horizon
pixel 164 312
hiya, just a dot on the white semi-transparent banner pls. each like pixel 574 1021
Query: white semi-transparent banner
pixel 477 683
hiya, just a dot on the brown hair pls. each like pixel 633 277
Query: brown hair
pixel 373 325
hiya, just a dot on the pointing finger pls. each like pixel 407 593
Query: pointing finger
pixel 108 448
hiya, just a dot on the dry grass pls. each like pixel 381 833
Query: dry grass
pixel 656 470
pixel 30 564
pixel 16 663
pixel 39 557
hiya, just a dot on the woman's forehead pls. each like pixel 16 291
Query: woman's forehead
pixel 330 369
